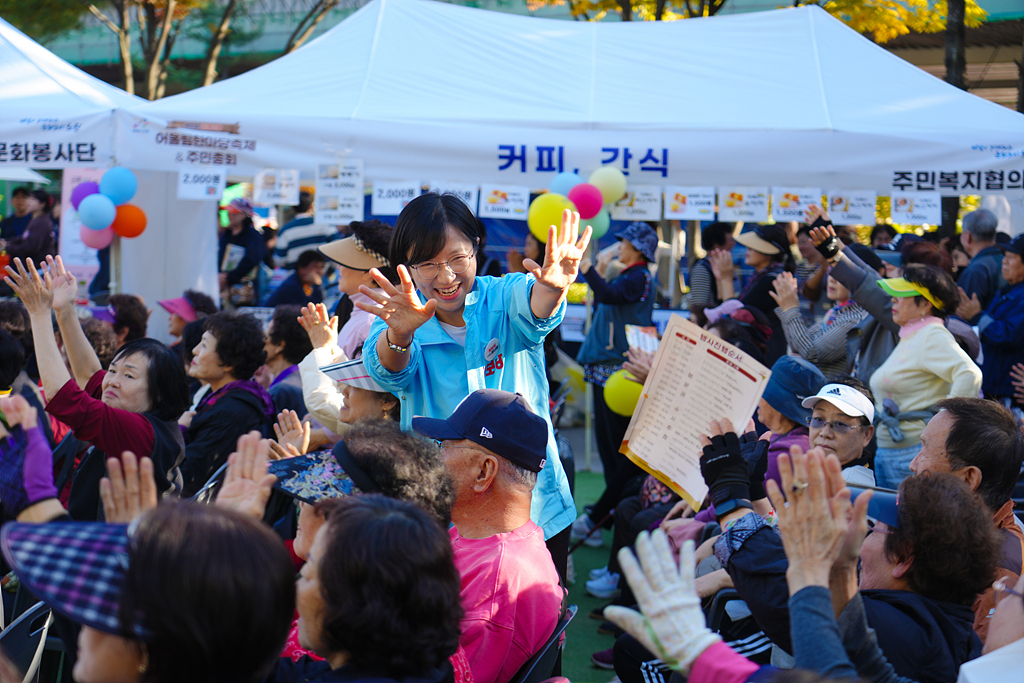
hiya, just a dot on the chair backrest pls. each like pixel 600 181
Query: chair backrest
pixel 208 493
pixel 541 665
pixel 24 639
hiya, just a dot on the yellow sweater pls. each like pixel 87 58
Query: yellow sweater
pixel 924 368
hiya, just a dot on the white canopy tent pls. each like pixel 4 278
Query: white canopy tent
pixel 55 116
pixel 426 90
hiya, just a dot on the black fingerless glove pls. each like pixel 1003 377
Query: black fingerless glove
pixel 724 470
pixel 830 247
pixel 755 453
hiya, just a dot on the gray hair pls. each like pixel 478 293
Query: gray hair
pixel 520 477
pixel 982 224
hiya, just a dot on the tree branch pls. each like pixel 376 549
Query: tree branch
pixel 103 17
pixel 314 16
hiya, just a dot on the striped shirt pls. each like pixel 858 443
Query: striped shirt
pixel 824 343
pixel 300 235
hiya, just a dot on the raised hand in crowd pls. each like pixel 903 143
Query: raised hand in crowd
pixel 562 254
pixel 247 485
pixel 292 434
pixel 129 488
pixel 969 306
pixel 785 293
pixel 722 266
pixel 670 622
pixel 734 465
pixel 638 365
pixel 29 286
pixel 813 212
pixel 399 307
pixel 27 490
pixel 321 328
pixel 1017 380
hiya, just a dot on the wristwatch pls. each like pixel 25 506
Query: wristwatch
pixel 731 505
pixel 394 347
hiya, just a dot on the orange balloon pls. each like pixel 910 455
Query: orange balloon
pixel 130 221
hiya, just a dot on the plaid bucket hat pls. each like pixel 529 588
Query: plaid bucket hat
pixel 77 568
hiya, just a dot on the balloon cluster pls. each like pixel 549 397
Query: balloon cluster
pixel 569 191
pixel 104 210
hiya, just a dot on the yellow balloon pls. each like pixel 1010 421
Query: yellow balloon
pixel 610 181
pixel 622 394
pixel 545 211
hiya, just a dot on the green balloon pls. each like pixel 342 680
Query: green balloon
pixel 599 224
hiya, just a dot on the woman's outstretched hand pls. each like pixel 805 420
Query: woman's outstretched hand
pixel 61 283
pixel 30 288
pixel 321 328
pixel 562 254
pixel 399 307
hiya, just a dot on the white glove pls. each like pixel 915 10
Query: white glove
pixel 672 625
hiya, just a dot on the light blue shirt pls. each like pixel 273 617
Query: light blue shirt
pixel 504 350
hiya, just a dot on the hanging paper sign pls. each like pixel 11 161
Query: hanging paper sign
pixel 789 203
pixel 504 201
pixel 852 207
pixel 276 186
pixel 640 203
pixel 467 192
pixel 339 192
pixel 389 198
pixel 689 203
pixel 743 204
pixel 916 208
pixel 204 182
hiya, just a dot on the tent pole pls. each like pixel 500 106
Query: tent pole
pixel 673 270
pixel 115 266
pixel 588 388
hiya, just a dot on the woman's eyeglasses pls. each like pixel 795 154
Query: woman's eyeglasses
pixel 1004 586
pixel 873 528
pixel 428 270
pixel 837 427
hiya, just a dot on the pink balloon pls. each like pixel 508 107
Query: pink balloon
pixel 96 239
pixel 587 199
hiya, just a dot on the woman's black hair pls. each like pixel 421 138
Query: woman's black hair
pixel 777 235
pixel 421 231
pixel 44 198
pixel 376 236
pixel 939 284
pixel 716 235
pixel 285 328
pixel 12 359
pixel 14 318
pixel 403 464
pixel 387 576
pixel 215 588
pixel 239 342
pixel 168 384
pixel 129 313
pixel 201 303
pixel 190 338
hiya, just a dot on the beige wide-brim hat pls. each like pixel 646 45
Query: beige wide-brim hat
pixel 352 253
pixel 752 240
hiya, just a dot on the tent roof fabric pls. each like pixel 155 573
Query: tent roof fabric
pixel 36 82
pixel 430 62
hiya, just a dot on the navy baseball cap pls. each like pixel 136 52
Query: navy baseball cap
pixel 500 421
pixel 1016 245
pixel 884 505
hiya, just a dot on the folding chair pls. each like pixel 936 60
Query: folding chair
pixel 24 640
pixel 542 665
pixel 208 493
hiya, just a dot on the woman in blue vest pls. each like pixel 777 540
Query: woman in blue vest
pixel 444 332
pixel 627 300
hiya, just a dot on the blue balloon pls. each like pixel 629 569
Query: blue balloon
pixel 565 181
pixel 97 212
pixel 119 184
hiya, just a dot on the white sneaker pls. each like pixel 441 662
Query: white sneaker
pixel 583 526
pixel 606 587
pixel 599 572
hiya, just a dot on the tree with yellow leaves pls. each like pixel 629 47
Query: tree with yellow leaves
pixel 884 20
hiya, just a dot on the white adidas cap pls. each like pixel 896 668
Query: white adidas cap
pixel 847 399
